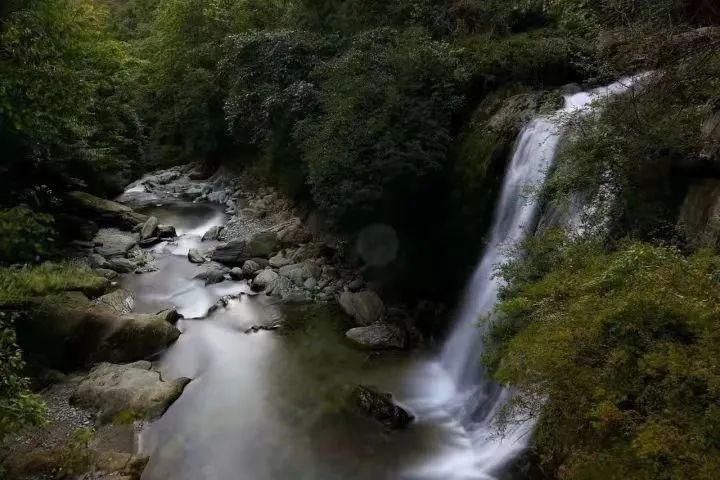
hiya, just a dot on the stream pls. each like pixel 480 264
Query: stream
pixel 272 404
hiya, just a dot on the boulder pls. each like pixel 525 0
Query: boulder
pixel 120 301
pixel 381 407
pixel 213 233
pixel 212 274
pixel 262 262
pixel 107 273
pixel 149 229
pixel 378 336
pixel 279 261
pixel 97 261
pixel 364 307
pixel 166 231
pixel 265 279
pixel 114 243
pixel 236 273
pixel 149 242
pixel 107 212
pixel 195 256
pixel 233 253
pixel 111 389
pixel 250 268
pixel 262 244
pixel 121 265
pixel 137 337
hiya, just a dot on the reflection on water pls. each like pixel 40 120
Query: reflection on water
pixel 273 404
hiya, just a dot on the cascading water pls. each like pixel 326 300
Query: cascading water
pixel 515 216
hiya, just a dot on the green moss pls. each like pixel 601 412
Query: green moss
pixel 19 285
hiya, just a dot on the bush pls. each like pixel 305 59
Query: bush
pixel 613 352
pixel 25 236
pixel 19 408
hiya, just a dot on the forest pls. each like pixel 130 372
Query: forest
pixel 400 113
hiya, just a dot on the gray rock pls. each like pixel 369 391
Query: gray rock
pixel 250 268
pixel 121 265
pixel 310 284
pixel 236 273
pixel 262 262
pixel 107 212
pixel 264 280
pixel 279 261
pixel 381 407
pixel 295 272
pixel 233 253
pixel 219 196
pixel 107 273
pixel 114 243
pixel 263 244
pixel 149 242
pixel 120 301
pixel 166 231
pixel 213 233
pixel 97 261
pixel 149 229
pixel 113 389
pixel 364 307
pixel 281 287
pixel 137 337
pixel 378 336
pixel 212 274
pixel 195 256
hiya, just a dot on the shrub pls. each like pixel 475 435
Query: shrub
pixel 25 236
pixel 614 353
pixel 18 285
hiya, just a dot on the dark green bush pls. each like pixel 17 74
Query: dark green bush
pixel 25 236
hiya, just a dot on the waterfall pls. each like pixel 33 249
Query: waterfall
pixel 515 216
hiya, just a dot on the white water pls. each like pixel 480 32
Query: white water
pixel 514 217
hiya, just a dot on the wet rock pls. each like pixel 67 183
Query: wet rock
pixel 107 212
pixel 262 244
pixel 233 253
pixel 364 307
pixel 195 256
pixel 250 268
pixel 149 229
pixel 264 280
pixel 381 407
pixel 212 274
pixel 143 260
pixel 121 265
pixel 149 242
pixel 166 231
pixel 114 243
pixel 237 273
pixel 111 389
pixel 378 336
pixel 279 261
pixel 137 337
pixel 213 233
pixel 120 301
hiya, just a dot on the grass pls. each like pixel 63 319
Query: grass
pixel 19 285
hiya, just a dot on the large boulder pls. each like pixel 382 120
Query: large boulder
pixel 194 256
pixel 110 390
pixel 378 336
pixel 364 307
pixel 263 244
pixel 121 265
pixel 212 274
pixel 265 279
pixel 105 211
pixel 137 337
pixel 250 268
pixel 233 253
pixel 120 301
pixel 381 407
pixel 149 229
pixel 112 242
pixel 213 233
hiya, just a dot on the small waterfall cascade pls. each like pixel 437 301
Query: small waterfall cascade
pixel 515 216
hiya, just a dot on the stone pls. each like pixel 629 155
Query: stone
pixel 121 265
pixel 233 253
pixel 137 337
pixel 111 389
pixel 364 307
pixel 97 261
pixel 107 212
pixel 264 280
pixel 250 268
pixel 149 229
pixel 107 273
pixel 213 233
pixel 195 256
pixel 699 218
pixel 378 336
pixel 166 231
pixel 120 301
pixel 295 272
pixel 262 262
pixel 279 261
pixel 281 287
pixel 356 284
pixel 114 243
pixel 381 407
pixel 149 242
pixel 262 244
pixel 212 274
pixel 310 284
pixel 236 273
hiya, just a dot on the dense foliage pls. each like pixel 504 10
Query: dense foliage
pixel 616 353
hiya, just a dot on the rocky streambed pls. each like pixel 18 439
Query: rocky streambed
pixel 232 337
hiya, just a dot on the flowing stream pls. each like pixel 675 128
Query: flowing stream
pixel 272 404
